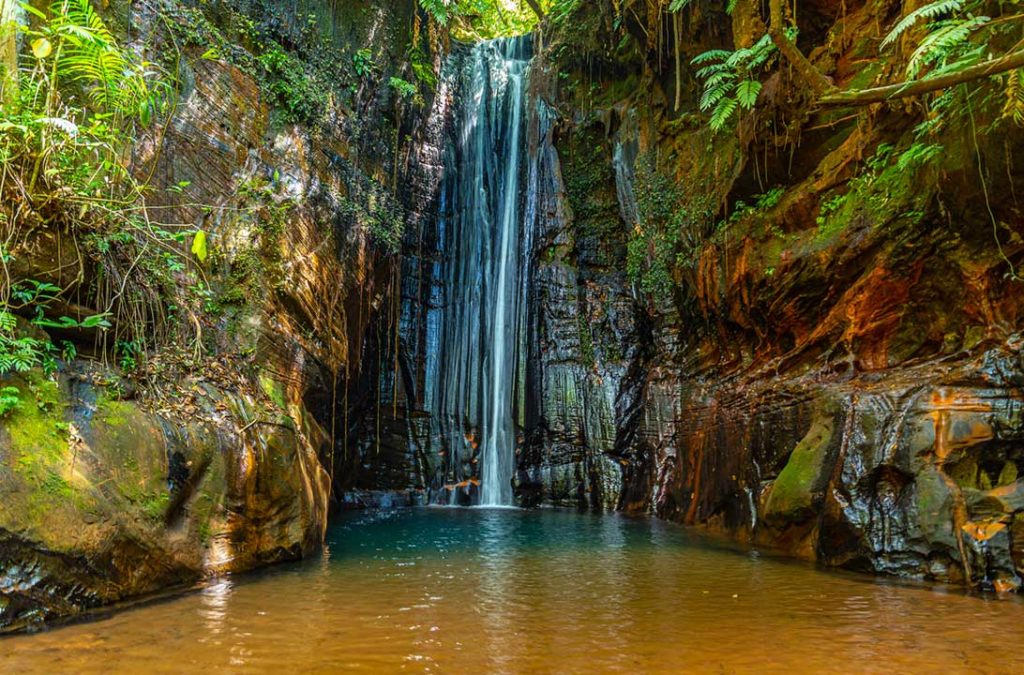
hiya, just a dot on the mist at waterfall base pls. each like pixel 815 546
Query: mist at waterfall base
pixel 538 591
pixel 475 373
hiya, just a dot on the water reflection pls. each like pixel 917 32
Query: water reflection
pixel 519 591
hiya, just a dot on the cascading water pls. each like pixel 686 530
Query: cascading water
pixel 480 327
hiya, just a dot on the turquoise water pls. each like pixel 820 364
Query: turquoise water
pixel 482 591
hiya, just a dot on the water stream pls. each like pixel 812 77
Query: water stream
pixel 500 591
pixel 482 323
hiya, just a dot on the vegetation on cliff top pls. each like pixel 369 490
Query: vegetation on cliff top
pixel 68 118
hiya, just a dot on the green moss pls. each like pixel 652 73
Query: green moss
pixel 274 390
pixel 892 190
pixel 38 431
pixel 590 187
pixel 792 495
pixel 586 339
pixel 111 411
pixel 155 505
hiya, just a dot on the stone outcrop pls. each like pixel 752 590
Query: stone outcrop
pixel 217 454
pixel 834 367
pixel 836 372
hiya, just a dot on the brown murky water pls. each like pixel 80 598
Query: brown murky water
pixel 494 591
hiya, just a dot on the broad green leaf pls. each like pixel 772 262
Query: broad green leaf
pixel 199 246
pixel 41 48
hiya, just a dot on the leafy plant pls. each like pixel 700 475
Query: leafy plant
pixel 487 18
pixel 66 129
pixel 83 50
pixel 730 79
pixel 293 92
pixel 930 12
pixel 362 62
pixel 670 233
pixel 953 38
pixel 10 398
pixel 406 90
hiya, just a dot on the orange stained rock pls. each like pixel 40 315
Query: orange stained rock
pixel 874 311
pixel 983 531
pixel 948 407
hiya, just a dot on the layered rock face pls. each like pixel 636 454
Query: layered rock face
pixel 835 369
pixel 216 455
pixel 830 359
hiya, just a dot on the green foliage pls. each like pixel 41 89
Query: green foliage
pixel 65 135
pixel 422 69
pixel 590 187
pixel 362 63
pixel 128 353
pixel 406 90
pixel 21 353
pixel 762 202
pixel 10 399
pixel 887 190
pixel 292 91
pixel 670 234
pixel 85 52
pixel 370 207
pixel 730 79
pixel 931 11
pixel 474 19
pixel 957 34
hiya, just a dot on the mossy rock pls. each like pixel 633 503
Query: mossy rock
pixel 105 499
pixel 796 492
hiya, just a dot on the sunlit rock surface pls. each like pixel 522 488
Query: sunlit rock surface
pixel 221 459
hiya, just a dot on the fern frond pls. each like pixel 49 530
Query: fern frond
pixel 747 93
pixel 708 71
pixel 940 44
pixel 931 11
pixel 1014 108
pixel 710 55
pixel 719 78
pixel 723 112
pixel 714 95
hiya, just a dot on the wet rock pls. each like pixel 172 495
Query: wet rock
pixel 105 500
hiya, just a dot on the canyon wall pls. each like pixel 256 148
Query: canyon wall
pixel 821 353
pixel 125 473
pixel 833 367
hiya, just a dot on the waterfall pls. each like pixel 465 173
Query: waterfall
pixel 484 242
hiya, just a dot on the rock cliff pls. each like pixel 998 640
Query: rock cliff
pixel 804 332
pixel 127 472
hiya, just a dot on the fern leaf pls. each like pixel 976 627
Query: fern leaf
pixel 942 43
pixel 1014 108
pixel 723 112
pixel 707 71
pixel 931 11
pixel 714 96
pixel 747 93
pixel 710 55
